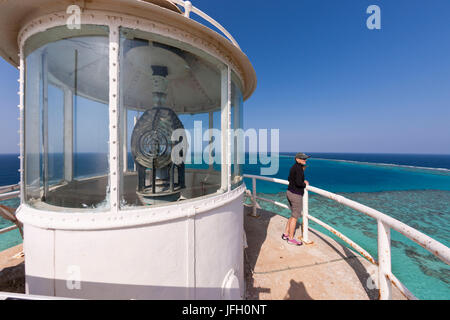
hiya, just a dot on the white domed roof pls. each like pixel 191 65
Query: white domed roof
pixel 16 14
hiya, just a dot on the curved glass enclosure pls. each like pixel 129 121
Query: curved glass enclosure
pixel 173 108
pixel 67 117
pixel 176 103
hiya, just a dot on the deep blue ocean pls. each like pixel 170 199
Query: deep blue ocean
pixel 414 189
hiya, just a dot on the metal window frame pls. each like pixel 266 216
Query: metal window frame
pixel 114 21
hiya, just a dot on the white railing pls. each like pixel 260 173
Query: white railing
pixel 9 192
pixel 188 8
pixel 23 296
pixel 384 222
pixel 7 229
pixel 6 193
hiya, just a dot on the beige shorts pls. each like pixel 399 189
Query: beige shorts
pixel 295 203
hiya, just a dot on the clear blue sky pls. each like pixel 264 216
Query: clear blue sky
pixel 326 81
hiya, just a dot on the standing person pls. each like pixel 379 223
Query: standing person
pixel 296 189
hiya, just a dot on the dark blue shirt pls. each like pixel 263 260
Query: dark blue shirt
pixel 297 179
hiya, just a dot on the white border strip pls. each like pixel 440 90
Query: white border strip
pixel 124 218
pixel 114 132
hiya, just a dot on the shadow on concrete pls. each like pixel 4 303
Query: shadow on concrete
pixel 353 261
pixel 297 291
pixel 258 234
pixel 70 288
pixel 12 279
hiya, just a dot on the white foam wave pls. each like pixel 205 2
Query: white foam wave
pixel 387 164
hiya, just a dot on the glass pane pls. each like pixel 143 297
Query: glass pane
pixel 237 137
pixel 55 135
pixel 66 117
pixel 170 96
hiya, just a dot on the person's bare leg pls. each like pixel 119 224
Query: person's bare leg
pixel 292 224
pixel 286 229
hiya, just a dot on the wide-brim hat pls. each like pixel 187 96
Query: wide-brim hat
pixel 302 156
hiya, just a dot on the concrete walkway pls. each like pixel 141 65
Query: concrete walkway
pixel 12 270
pixel 324 270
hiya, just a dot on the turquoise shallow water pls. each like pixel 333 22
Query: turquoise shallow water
pixel 12 238
pixel 416 196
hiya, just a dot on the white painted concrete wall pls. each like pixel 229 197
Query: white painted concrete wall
pixel 184 258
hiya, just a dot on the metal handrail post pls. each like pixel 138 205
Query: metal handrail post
pixel 305 236
pixel 384 261
pixel 254 214
pixel 187 8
